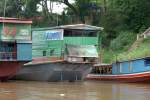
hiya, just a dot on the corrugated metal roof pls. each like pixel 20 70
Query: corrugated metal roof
pixel 72 27
pixel 102 64
pixel 121 61
pixel 81 27
pixel 82 51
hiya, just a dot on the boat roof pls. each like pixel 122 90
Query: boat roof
pixel 72 27
pixel 102 64
pixel 14 20
pixel 147 57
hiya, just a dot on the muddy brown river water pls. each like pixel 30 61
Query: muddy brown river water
pixel 87 90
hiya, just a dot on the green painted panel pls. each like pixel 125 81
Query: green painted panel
pixel 81 40
pixel 15 31
pixel 40 44
pixel 54 48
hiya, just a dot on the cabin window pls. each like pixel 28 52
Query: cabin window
pixel 78 33
pixel 44 53
pixel 130 66
pixel 8 51
pixel 147 62
pixel 52 52
pixel 102 70
pixel 119 67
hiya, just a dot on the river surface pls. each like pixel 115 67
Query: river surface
pixel 87 90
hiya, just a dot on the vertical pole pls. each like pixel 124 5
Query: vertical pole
pixel 99 47
pixel 61 76
pixel 57 19
pixel 4 10
pixel 76 77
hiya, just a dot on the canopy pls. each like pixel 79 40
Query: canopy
pixel 82 51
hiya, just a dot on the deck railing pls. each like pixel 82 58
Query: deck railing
pixel 8 56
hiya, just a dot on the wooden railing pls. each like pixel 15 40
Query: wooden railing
pixel 8 56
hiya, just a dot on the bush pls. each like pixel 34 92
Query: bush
pixel 123 41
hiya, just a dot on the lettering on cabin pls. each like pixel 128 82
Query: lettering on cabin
pixel 10 31
pixel 54 35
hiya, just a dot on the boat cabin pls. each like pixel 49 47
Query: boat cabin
pixel 15 39
pixel 73 43
pixel 102 69
pixel 132 66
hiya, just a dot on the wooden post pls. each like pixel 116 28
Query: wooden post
pixel 144 36
pixel 137 38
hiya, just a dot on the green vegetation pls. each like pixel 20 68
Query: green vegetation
pixel 142 51
pixel 123 41
pixel 118 45
pixel 122 21
pixel 107 56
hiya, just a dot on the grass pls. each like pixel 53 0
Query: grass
pixel 107 56
pixel 143 50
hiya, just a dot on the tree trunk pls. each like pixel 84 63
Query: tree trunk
pixel 105 6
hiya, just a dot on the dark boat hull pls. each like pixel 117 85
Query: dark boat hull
pixel 54 71
pixel 135 77
pixel 8 69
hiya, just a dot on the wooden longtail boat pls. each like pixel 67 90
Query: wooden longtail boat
pixel 137 70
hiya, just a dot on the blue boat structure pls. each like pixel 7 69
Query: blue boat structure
pixel 136 70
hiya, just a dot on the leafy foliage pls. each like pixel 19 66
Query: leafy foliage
pixel 121 19
pixel 123 41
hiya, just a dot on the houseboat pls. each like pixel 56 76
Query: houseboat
pixel 62 53
pixel 136 70
pixel 15 46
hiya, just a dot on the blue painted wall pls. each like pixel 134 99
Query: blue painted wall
pixel 133 66
pixel 114 68
pixel 24 51
pixel 125 67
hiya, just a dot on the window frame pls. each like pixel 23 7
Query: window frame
pixel 147 62
pixel 130 66
pixel 44 53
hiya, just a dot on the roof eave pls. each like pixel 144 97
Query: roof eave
pixel 95 28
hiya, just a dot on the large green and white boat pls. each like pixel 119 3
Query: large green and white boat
pixel 62 53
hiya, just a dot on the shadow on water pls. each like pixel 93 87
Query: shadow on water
pixel 87 90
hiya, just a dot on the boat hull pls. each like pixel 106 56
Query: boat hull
pixel 135 77
pixel 8 69
pixel 54 71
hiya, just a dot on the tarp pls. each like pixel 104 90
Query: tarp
pixel 82 51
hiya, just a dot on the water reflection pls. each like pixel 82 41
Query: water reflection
pixel 88 90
